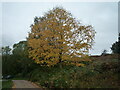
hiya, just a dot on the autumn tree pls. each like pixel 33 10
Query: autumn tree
pixel 58 37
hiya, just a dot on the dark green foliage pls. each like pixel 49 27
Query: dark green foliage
pixel 7 84
pixel 6 50
pixel 10 66
pixel 102 72
pixel 98 74
pixel 116 46
pixel 18 61
pixel 104 52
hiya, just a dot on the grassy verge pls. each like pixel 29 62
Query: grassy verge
pixel 20 78
pixel 7 84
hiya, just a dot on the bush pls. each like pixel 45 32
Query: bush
pixel 98 74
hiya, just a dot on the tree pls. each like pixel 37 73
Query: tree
pixel 20 53
pixel 104 52
pixel 17 61
pixel 20 49
pixel 58 37
pixel 116 46
pixel 6 57
pixel 6 50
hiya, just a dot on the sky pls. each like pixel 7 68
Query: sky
pixel 103 16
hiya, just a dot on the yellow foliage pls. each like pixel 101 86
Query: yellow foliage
pixel 80 65
pixel 57 37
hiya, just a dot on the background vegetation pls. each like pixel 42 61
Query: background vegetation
pixel 101 72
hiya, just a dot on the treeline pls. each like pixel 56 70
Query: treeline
pixel 16 61
pixel 116 46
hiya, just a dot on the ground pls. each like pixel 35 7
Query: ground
pixel 23 84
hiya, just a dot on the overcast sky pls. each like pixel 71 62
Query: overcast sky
pixel 17 18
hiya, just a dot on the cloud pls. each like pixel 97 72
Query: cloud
pixel 17 18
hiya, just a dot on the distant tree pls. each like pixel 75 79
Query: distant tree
pixel 58 37
pixel 116 46
pixel 6 50
pixel 6 57
pixel 1 50
pixel 104 52
pixel 17 61
pixel 20 49
pixel 20 53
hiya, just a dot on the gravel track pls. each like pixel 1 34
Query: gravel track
pixel 24 84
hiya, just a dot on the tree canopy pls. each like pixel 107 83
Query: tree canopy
pixel 116 46
pixel 17 61
pixel 58 37
pixel 6 50
pixel 20 48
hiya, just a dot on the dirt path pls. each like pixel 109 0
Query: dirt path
pixel 24 84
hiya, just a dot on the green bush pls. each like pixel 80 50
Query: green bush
pixel 93 75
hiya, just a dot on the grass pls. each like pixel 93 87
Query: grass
pixel 20 78
pixel 7 84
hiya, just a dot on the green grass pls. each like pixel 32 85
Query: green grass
pixel 20 78
pixel 7 84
